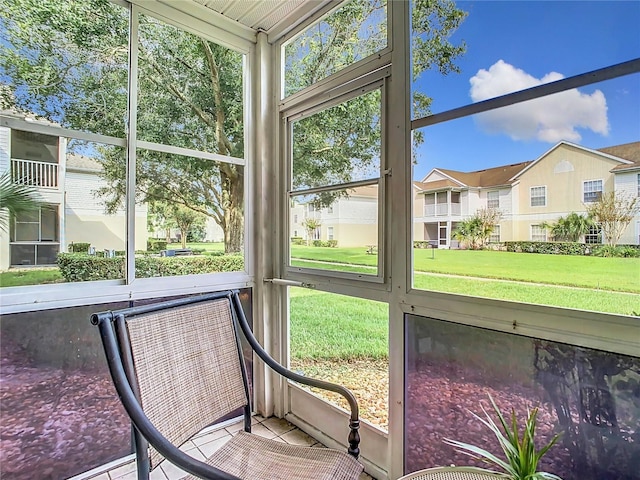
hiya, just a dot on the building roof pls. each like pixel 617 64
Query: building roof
pixel 488 177
pixel 507 174
pixel 82 163
pixel 627 151
pixel 437 184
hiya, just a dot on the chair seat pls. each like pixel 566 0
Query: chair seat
pixel 252 457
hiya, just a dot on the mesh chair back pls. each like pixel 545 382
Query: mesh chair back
pixel 188 368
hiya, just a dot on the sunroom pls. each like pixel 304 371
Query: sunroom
pixel 272 146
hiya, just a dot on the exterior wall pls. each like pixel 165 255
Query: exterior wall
pixel 471 202
pixel 5 156
pixel 353 235
pixel 354 219
pixel 86 220
pixel 627 183
pixel 562 171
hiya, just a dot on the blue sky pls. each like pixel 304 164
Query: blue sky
pixel 513 45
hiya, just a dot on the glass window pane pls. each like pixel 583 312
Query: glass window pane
pixel 351 33
pixel 60 412
pixel 190 91
pixel 49 225
pixel 190 215
pixel 469 51
pixel 338 145
pixel 586 395
pixel 23 255
pixel 26 232
pixel 543 166
pixel 343 340
pixel 67 62
pixel 337 230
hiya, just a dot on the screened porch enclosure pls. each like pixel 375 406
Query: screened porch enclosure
pixel 390 228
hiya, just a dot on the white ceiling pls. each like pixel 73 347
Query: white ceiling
pixel 264 15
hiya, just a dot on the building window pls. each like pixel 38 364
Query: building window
pixel 538 233
pixel 316 233
pixel 538 196
pixel 295 219
pixel 493 199
pixel 329 233
pixel 295 233
pixel 330 209
pixel 594 235
pixel 495 234
pixel 592 190
pixel 35 238
pixel 312 208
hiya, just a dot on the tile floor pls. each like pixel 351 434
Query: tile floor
pixel 204 445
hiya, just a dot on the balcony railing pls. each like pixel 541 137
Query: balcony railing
pixel 442 209
pixel 34 173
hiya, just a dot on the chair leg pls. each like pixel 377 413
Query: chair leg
pixel 247 418
pixel 142 455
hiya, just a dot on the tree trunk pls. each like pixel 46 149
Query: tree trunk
pixel 233 191
pixel 183 236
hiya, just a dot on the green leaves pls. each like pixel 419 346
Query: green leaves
pixel 15 199
pixel 518 445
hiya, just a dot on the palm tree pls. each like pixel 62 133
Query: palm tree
pixel 571 227
pixel 15 199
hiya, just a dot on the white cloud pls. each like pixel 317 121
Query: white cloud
pixel 550 119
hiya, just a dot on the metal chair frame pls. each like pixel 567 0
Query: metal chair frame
pixel 115 339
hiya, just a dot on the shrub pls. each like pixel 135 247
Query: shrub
pixel 297 241
pixel 80 267
pixel 79 247
pixel 76 267
pixel 156 244
pixel 425 243
pixel 617 251
pixel 553 248
pixel 325 243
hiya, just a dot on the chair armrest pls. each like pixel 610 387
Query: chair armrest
pixel 354 423
pixel 138 417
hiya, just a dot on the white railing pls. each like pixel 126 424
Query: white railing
pixel 34 173
pixel 442 209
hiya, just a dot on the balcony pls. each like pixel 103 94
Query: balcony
pixel 442 210
pixel 34 173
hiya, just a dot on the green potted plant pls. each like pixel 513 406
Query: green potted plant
pixel 518 445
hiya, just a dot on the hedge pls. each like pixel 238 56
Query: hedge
pixel 76 267
pixel 156 244
pixel 573 248
pixel 79 247
pixel 422 243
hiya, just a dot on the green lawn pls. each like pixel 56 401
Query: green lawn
pixel 35 276
pixel 208 246
pixel 615 274
pixel 329 326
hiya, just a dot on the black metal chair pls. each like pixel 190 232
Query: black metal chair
pixel 178 367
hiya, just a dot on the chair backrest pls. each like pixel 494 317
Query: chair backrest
pixel 188 367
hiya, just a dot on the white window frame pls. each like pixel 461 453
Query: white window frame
pixel 537 227
pixel 329 233
pixel 307 107
pixel 495 235
pixel 586 184
pixel 61 295
pixel 491 201
pixel 543 196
